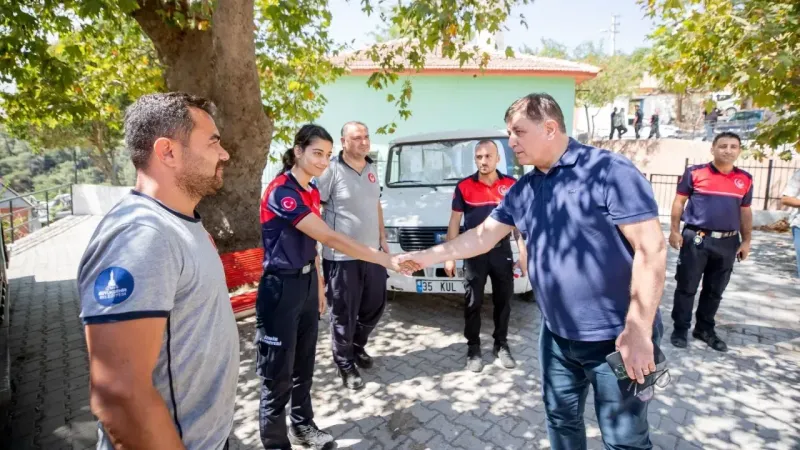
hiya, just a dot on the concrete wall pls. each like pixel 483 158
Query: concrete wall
pixel 663 157
pixel 96 200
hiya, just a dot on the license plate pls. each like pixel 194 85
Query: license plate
pixel 436 286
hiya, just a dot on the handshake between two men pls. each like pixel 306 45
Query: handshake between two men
pixel 476 241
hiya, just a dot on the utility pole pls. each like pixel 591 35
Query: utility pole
pixel 614 31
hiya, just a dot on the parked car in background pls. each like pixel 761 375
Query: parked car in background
pixel 744 123
pixel 421 175
pixel 727 102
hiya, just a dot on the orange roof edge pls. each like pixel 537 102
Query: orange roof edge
pixel 579 76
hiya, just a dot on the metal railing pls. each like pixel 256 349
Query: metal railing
pixel 769 180
pixel 21 220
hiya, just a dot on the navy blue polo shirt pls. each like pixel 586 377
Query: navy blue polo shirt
pixel 477 199
pixel 284 204
pixel 715 198
pixel 579 262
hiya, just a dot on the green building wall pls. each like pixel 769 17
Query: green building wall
pixel 439 102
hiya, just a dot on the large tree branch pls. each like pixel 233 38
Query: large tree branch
pixel 178 49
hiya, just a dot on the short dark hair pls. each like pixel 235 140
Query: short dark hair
pixel 726 134
pixel 353 122
pixel 538 107
pixel 160 115
pixel 487 142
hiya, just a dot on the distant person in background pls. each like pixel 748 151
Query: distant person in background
pixel 710 119
pixel 791 198
pixel 619 124
pixel 718 212
pixel 654 121
pixel 613 123
pixel 638 118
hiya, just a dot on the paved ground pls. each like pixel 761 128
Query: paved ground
pixel 419 396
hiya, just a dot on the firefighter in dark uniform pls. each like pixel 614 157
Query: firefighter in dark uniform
pixel 474 198
pixel 290 295
pixel 717 196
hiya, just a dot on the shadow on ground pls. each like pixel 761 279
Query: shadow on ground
pixel 419 396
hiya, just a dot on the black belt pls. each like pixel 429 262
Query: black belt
pixel 713 234
pixel 301 271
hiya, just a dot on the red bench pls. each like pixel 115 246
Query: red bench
pixel 242 268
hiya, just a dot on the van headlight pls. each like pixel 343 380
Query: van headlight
pixel 391 234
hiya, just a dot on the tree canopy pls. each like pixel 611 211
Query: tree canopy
pixel 620 73
pixel 751 47
pixel 261 61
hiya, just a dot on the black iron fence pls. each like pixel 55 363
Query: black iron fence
pixel 26 213
pixel 664 187
pixel 769 180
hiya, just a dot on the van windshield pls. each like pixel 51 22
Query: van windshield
pixel 443 163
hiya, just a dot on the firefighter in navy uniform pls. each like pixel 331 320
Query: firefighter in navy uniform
pixel 290 295
pixel 717 196
pixel 475 197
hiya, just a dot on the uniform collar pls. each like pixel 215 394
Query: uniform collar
pixel 715 170
pixel 292 179
pixel 569 158
pixel 340 158
pixel 477 176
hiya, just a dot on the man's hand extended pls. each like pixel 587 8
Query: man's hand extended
pixel 450 268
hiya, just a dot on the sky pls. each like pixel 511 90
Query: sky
pixel 570 22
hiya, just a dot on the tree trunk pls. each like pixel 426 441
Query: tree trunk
pixel 589 122
pixel 681 96
pixel 220 64
pixel 101 158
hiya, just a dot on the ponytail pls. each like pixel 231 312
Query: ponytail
pixel 288 159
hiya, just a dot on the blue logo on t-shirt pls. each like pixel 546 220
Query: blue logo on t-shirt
pixel 113 286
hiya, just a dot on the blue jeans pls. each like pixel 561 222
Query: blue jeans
pixel 796 234
pixel 568 368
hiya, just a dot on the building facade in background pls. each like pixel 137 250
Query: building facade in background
pixel 445 96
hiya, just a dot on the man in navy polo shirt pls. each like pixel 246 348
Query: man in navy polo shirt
pixel 597 261
pixel 474 199
pixel 717 197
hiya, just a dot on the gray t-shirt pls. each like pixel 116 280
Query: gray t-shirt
pixel 793 190
pixel 350 203
pixel 146 260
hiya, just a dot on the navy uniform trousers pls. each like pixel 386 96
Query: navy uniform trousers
pixel 356 294
pixel 712 260
pixel 498 265
pixel 287 315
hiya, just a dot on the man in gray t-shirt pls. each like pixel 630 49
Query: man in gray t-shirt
pixel 162 339
pixel 356 290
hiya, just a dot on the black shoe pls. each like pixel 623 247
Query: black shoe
pixel 711 338
pixel 474 360
pixel 310 436
pixel 363 360
pixel 679 339
pixel 503 356
pixel 351 378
